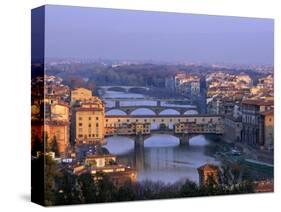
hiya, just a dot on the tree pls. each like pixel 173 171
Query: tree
pixel 126 193
pixel 37 146
pixel 105 189
pixel 88 188
pixel 50 172
pixel 189 189
pixel 75 82
pixel 68 191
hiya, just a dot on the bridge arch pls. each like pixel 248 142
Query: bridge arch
pixel 117 88
pixel 161 140
pixel 198 140
pixel 191 112
pixel 142 111
pixel 137 90
pixel 169 111
pixel 115 112
pixel 119 144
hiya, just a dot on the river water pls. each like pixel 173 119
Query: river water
pixel 162 158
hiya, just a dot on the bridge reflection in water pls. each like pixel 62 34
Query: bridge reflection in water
pixel 161 157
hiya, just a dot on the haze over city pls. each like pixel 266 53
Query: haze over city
pixel 77 32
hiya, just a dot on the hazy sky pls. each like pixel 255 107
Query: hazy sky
pixel 137 35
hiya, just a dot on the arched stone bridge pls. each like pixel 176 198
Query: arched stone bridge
pixel 123 88
pixel 181 126
pixel 184 138
pixel 156 109
pixel 153 110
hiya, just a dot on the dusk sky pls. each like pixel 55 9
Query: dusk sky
pixel 80 32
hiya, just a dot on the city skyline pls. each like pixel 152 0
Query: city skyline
pixel 73 32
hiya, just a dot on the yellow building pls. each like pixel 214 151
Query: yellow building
pixel 89 122
pixel 55 124
pixel 60 112
pixel 127 129
pixel 81 94
pixel 268 123
pixel 100 160
pixel 58 130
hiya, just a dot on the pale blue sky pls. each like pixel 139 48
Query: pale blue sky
pixel 138 35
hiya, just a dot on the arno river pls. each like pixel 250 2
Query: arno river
pixel 162 157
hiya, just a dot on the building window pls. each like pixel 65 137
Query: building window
pixel 118 120
pixel 97 124
pixel 90 125
pixel 106 120
pixel 128 120
pixel 97 118
pixel 80 124
pixel 90 118
pixel 80 118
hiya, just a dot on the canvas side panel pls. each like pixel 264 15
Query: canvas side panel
pixel 37 106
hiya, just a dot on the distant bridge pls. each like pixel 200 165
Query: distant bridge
pixel 122 88
pixel 154 110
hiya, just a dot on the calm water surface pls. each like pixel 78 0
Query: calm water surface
pixel 162 158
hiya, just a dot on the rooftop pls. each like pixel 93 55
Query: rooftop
pixel 208 166
pixel 258 102
pixel 267 113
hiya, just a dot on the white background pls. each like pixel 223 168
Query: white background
pixel 15 104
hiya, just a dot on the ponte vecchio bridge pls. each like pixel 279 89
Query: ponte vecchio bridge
pixel 155 106
pixel 182 126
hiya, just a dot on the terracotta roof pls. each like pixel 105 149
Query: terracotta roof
pixel 89 109
pixel 208 166
pixel 258 102
pixel 269 112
